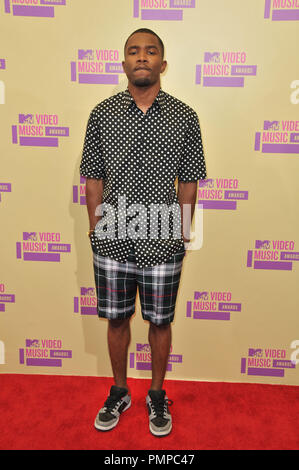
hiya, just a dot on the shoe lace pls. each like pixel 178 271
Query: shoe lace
pixel 160 406
pixel 111 403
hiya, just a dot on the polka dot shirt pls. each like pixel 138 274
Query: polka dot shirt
pixel 140 156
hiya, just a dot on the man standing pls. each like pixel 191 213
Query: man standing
pixel 137 143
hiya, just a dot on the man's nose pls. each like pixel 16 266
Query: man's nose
pixel 142 56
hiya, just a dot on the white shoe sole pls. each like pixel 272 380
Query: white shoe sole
pixel 160 433
pixel 108 428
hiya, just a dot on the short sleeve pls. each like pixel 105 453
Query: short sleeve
pixel 192 166
pixel 92 162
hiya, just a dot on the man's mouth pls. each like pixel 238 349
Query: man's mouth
pixel 141 68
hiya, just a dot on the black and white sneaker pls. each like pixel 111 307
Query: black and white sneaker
pixel 160 422
pixel 118 401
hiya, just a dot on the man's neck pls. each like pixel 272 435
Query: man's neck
pixel 144 96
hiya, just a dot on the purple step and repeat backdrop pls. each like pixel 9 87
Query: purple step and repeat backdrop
pixel 235 63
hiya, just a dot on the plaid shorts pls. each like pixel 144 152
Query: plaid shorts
pixel 116 286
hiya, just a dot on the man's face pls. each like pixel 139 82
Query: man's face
pixel 143 60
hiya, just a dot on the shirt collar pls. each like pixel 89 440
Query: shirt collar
pixel 128 99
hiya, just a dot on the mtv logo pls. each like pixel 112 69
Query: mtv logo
pixel 85 54
pixel 143 347
pixel 255 352
pixel 271 125
pixel 212 57
pixel 26 118
pixel 32 343
pixel 87 291
pixel 201 295
pixel 206 183
pixel 29 236
pixel 265 244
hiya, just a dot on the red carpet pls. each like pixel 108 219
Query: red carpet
pixel 57 412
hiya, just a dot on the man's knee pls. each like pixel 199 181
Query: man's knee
pixel 119 323
pixel 160 327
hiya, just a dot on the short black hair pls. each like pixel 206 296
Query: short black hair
pixel 149 31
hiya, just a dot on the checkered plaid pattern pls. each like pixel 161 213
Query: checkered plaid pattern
pixel 116 286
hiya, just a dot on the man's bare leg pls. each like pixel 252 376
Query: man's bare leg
pixel 160 342
pixel 119 336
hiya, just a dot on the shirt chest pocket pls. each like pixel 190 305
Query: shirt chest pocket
pixel 164 148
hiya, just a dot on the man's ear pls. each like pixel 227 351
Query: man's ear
pixel 163 66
